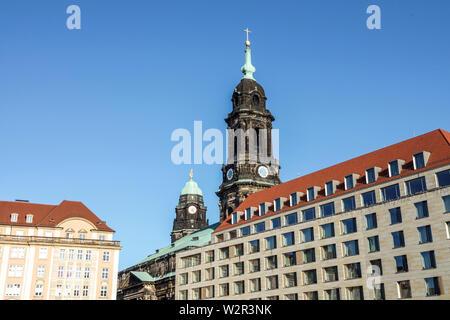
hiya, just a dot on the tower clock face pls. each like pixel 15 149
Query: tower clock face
pixel 263 171
pixel 192 209
pixel 230 174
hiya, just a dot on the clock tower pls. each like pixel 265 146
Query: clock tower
pixel 251 165
pixel 190 211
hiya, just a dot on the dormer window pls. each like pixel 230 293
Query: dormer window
pixel 329 188
pixel 393 168
pixel 294 200
pixel 419 161
pixel 248 213
pixel 14 217
pixel 349 182
pixel 310 194
pixel 277 204
pixel 29 218
pixel 262 209
pixel 370 175
pixel 235 217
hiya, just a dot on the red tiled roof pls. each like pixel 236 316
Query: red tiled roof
pixel 48 215
pixel 436 142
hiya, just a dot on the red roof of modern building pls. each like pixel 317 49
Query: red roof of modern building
pixel 436 142
pixel 45 215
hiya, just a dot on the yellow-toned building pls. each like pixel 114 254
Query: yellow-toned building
pixel 56 252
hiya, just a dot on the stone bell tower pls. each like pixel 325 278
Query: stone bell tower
pixel 250 166
pixel 190 211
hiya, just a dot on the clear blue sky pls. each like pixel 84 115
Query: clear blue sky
pixel 87 115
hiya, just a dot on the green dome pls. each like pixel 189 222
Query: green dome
pixel 191 187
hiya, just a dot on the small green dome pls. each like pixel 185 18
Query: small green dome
pixel 191 187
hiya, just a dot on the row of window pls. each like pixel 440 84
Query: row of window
pixel 388 193
pixel 19 253
pixel 13 290
pixel 351 271
pixel 432 288
pixel 77 271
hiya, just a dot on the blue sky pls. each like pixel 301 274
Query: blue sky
pixel 87 114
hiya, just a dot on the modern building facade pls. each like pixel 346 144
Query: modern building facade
pixel 373 227
pixel 56 252
pixel 154 277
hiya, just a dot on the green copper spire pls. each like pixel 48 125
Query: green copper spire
pixel 248 69
pixel 191 187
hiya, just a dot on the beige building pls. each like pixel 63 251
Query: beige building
pixel 373 227
pixel 56 252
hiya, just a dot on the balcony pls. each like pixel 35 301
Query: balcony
pixel 65 241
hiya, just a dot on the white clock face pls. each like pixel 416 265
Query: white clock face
pixel 192 209
pixel 263 171
pixel 230 174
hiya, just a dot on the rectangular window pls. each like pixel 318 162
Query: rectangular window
pixel 234 218
pixel 294 201
pixel 76 291
pixel 446 200
pixel 312 295
pixel 307 234
pixel 432 286
pixel 374 244
pixel 329 188
pixel 419 161
pixel 103 291
pixel 85 291
pixel 277 204
pixel 262 209
pixel 309 255
pixel 327 230
pixel 209 256
pixel 60 271
pixel 254 265
pixel 330 274
pixel 87 273
pixel 17 253
pixel 196 276
pixel 428 260
pixel 371 221
pixel 332 294
pixel 260 227
pixel 105 256
pixel 370 175
pixel 78 272
pixel 39 289
pixel 421 209
pixel 393 168
pixel 368 198
pixel 289 259
pixel 62 253
pixel 290 280
pixel 416 186
pixel 396 215
pixel 224 289
pixel 327 209
pixel 71 252
pixel 443 178
pixel 224 271
pixel 404 289
pixel 376 266
pixel 349 204
pixel 238 250
pixel 309 214
pixel 43 253
pixel 352 271
pixel 310 194
pixel 80 254
pixel 351 248
pixel 69 272
pixel 348 182
pixel 271 263
pixel 399 239
pixel 248 214
pixel 29 218
pixel 224 253
pixel 425 235
pixel 329 252
pixel 253 246
pixel 309 277
pixel 88 255
pixel 239 268
pixel 290 219
pixel 255 285
pixel 390 193
pixel 245 231
pixel 271 243
pixel 41 271
pixel 272 282
pixel 355 293
pixel 349 226
pixel 105 273
pixel 401 263
pixel 276 223
pixel 14 217
pixel 288 239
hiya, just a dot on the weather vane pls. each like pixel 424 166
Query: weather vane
pixel 191 174
pixel 247 43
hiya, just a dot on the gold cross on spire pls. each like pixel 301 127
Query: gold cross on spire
pixel 191 174
pixel 247 43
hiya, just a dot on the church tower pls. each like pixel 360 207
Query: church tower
pixel 190 211
pixel 250 166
